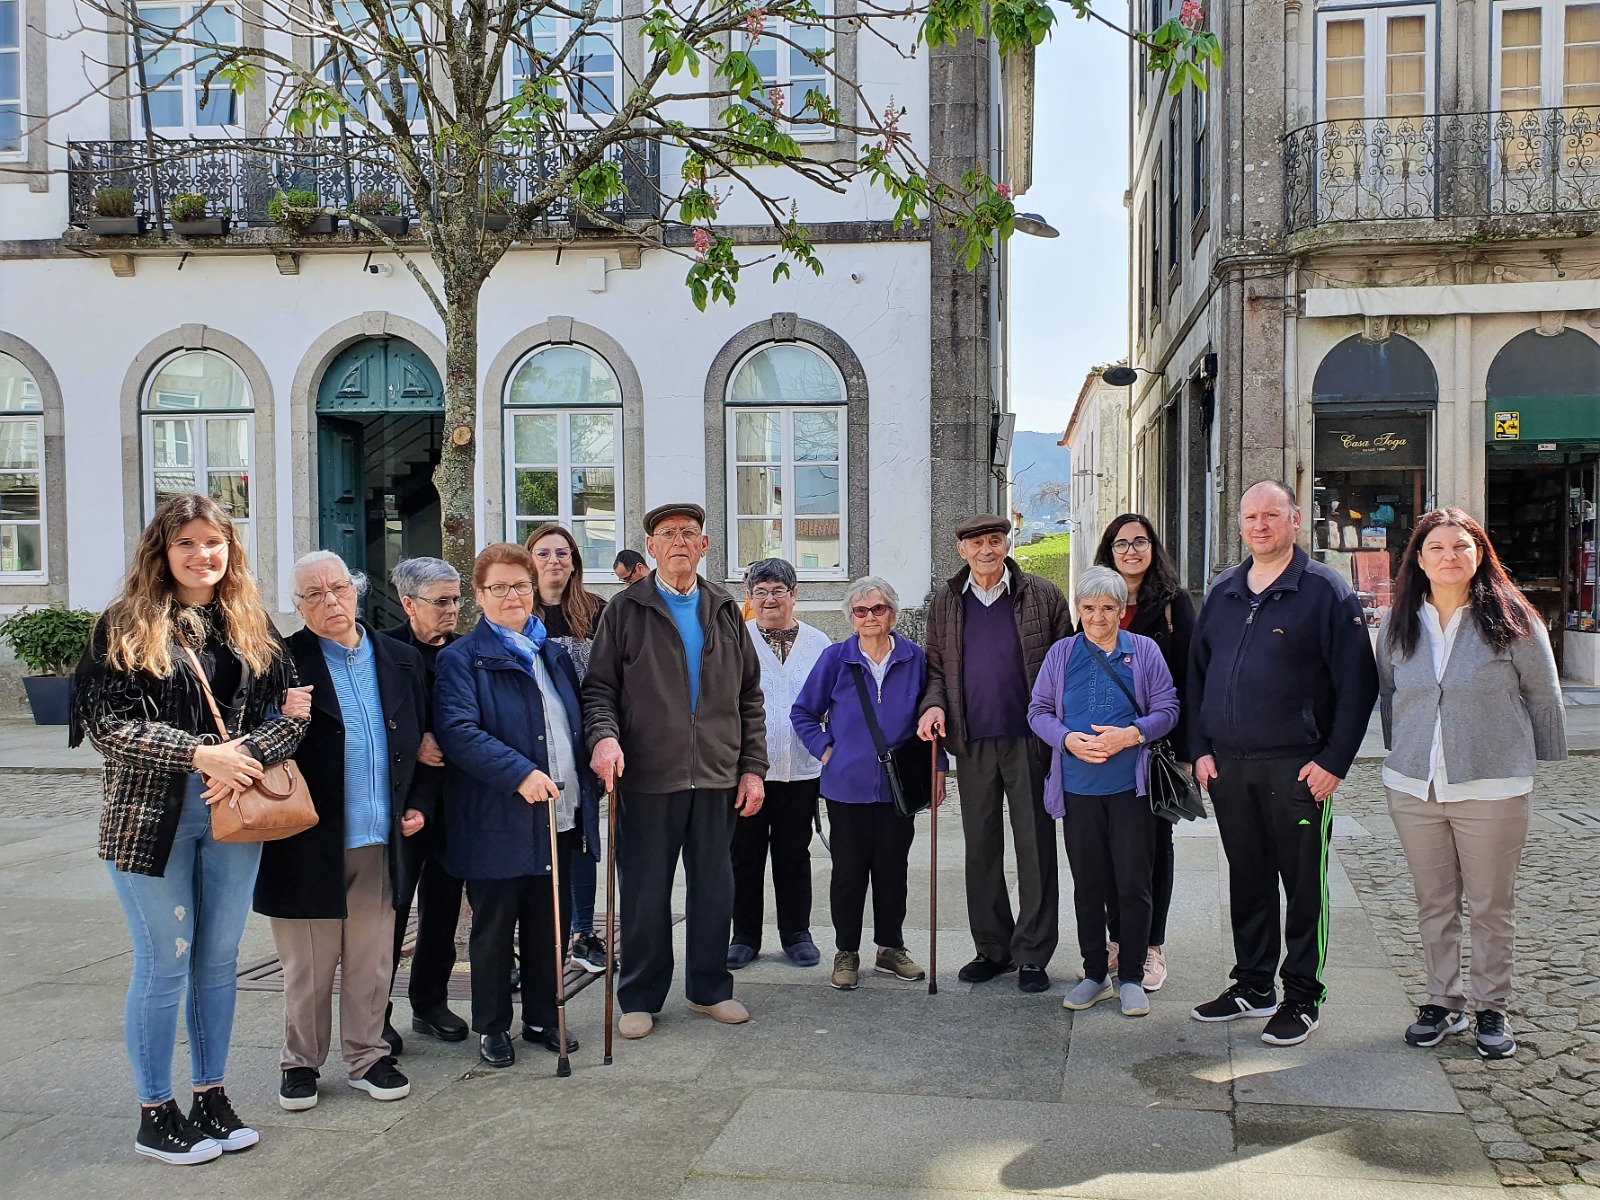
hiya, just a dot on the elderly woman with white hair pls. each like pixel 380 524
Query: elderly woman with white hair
pixel 1101 697
pixel 871 842
pixel 331 892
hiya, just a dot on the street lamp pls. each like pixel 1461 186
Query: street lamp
pixel 1034 225
pixel 1126 376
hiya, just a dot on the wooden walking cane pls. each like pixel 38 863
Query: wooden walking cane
pixel 563 1063
pixel 611 913
pixel 933 875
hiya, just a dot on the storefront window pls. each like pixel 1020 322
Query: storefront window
pixel 1371 485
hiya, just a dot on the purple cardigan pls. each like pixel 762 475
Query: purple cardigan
pixel 1152 689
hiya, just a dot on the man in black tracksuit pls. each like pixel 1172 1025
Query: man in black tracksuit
pixel 1281 684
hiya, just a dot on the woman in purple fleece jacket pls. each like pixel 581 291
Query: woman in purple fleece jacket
pixel 1099 761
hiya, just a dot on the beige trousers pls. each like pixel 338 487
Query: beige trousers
pixel 361 947
pixel 1468 848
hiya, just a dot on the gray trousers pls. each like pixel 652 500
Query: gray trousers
pixel 998 773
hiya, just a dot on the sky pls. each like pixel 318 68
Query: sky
pixel 1069 296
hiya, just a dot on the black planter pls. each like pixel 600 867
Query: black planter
pixel 321 223
pixel 204 227
pixel 495 222
pixel 582 220
pixel 116 226
pixel 393 226
pixel 50 697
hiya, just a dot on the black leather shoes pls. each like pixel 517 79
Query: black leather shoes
pixel 981 970
pixel 397 1044
pixel 550 1038
pixel 440 1023
pixel 496 1049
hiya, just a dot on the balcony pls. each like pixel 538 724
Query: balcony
pixel 239 177
pixel 1541 163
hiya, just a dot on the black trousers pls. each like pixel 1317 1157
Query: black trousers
pixel 784 826
pixel 1272 829
pixel 522 906
pixel 655 830
pixel 1161 881
pixel 438 899
pixel 871 845
pixel 1110 843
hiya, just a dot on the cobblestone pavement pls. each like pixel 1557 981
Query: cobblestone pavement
pixel 1539 1113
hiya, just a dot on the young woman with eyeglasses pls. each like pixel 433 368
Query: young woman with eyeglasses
pixel 571 614
pixel 1159 609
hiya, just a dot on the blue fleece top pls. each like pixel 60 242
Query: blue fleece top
pixel 366 742
pixel 1090 697
pixel 685 612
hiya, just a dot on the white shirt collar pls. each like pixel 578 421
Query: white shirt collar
pixel 672 591
pixel 987 596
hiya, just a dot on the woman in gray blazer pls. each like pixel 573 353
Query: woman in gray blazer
pixel 1470 702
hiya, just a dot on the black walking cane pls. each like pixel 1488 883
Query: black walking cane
pixel 611 913
pixel 563 1063
pixel 933 874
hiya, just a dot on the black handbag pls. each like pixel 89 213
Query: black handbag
pixel 1174 795
pixel 909 765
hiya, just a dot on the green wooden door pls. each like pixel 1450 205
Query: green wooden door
pixel 342 504
pixel 380 375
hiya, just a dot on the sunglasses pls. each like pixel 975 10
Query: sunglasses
pixel 861 612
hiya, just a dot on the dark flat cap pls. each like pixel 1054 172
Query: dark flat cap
pixel 662 511
pixel 981 524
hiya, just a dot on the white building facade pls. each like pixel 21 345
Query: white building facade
pixel 1097 434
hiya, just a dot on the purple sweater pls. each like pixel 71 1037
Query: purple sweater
pixel 1152 689
pixel 994 684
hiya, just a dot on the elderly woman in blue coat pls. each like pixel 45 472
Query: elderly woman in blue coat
pixel 1101 697
pixel 507 718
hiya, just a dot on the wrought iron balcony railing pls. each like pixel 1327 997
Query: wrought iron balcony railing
pixel 239 177
pixel 1532 162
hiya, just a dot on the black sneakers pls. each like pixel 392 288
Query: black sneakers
pixel 1238 1001
pixel 166 1134
pixel 212 1114
pixel 1494 1035
pixel 588 952
pixel 981 970
pixel 1031 978
pixel 1434 1023
pixel 297 1091
pixel 1292 1024
pixel 383 1081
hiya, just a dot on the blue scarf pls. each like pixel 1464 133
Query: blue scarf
pixel 524 645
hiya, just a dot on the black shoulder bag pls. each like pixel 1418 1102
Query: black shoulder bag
pixel 1174 795
pixel 909 765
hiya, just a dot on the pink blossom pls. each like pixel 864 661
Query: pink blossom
pixel 1003 191
pixel 755 24
pixel 1189 16
pixel 775 99
pixel 702 241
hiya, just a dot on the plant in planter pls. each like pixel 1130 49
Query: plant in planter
pixel 497 208
pixel 191 216
pixel 300 212
pixel 114 214
pixel 49 642
pixel 382 210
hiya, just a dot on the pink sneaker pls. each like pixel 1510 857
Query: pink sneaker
pixel 1111 961
pixel 1155 969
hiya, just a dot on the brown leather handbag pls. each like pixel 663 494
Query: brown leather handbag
pixel 278 805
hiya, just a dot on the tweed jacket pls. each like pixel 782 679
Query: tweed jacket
pixel 148 760
pixel 1043 619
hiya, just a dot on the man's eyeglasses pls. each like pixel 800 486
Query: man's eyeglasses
pixel 441 602
pixel 777 593
pixel 561 555
pixel 1123 545
pixel 676 535
pixel 317 595
pixel 501 590
pixel 861 612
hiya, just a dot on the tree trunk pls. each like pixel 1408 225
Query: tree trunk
pixel 455 477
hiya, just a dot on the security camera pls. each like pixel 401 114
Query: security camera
pixel 855 276
pixel 384 269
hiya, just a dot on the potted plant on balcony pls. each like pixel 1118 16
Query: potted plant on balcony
pixel 191 216
pixel 49 642
pixel 382 210
pixel 497 209
pixel 300 212
pixel 114 214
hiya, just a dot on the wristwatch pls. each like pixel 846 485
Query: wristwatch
pixel 1139 733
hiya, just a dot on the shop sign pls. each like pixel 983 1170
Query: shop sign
pixel 1507 426
pixel 1359 443
pixel 1538 419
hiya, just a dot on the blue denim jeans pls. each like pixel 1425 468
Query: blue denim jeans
pixel 581 881
pixel 186 926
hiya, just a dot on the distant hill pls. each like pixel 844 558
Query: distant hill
pixel 1035 461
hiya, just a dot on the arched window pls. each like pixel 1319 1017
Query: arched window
pixel 197 423
pixel 563 445
pixel 786 461
pixel 22 540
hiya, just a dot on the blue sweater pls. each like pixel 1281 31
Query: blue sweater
pixel 366 742
pixel 685 612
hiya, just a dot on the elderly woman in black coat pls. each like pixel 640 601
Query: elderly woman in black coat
pixel 331 892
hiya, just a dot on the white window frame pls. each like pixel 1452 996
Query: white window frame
pixel 610 29
pixel 198 417
pixel 1552 48
pixel 8 102
pixel 187 80
pixel 784 77
pixel 593 572
pixel 30 416
pixel 353 87
pixel 1375 48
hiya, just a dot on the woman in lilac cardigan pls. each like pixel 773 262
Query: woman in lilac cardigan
pixel 1099 761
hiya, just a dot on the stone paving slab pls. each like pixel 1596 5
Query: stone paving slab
pixel 1393 1147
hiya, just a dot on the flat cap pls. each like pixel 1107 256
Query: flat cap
pixel 662 511
pixel 981 524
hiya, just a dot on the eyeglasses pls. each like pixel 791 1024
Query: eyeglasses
pixel 188 546
pixel 338 591
pixel 676 535
pixel 501 590
pixel 1123 545
pixel 861 612
pixel 441 602
pixel 777 593
pixel 562 555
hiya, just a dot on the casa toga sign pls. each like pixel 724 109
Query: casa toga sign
pixel 1363 443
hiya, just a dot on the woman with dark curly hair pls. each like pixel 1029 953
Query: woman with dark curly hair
pixel 1471 702
pixel 188 601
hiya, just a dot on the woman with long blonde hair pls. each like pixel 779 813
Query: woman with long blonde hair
pixel 188 598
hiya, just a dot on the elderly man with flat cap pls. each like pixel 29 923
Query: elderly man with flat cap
pixel 988 630
pixel 673 713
